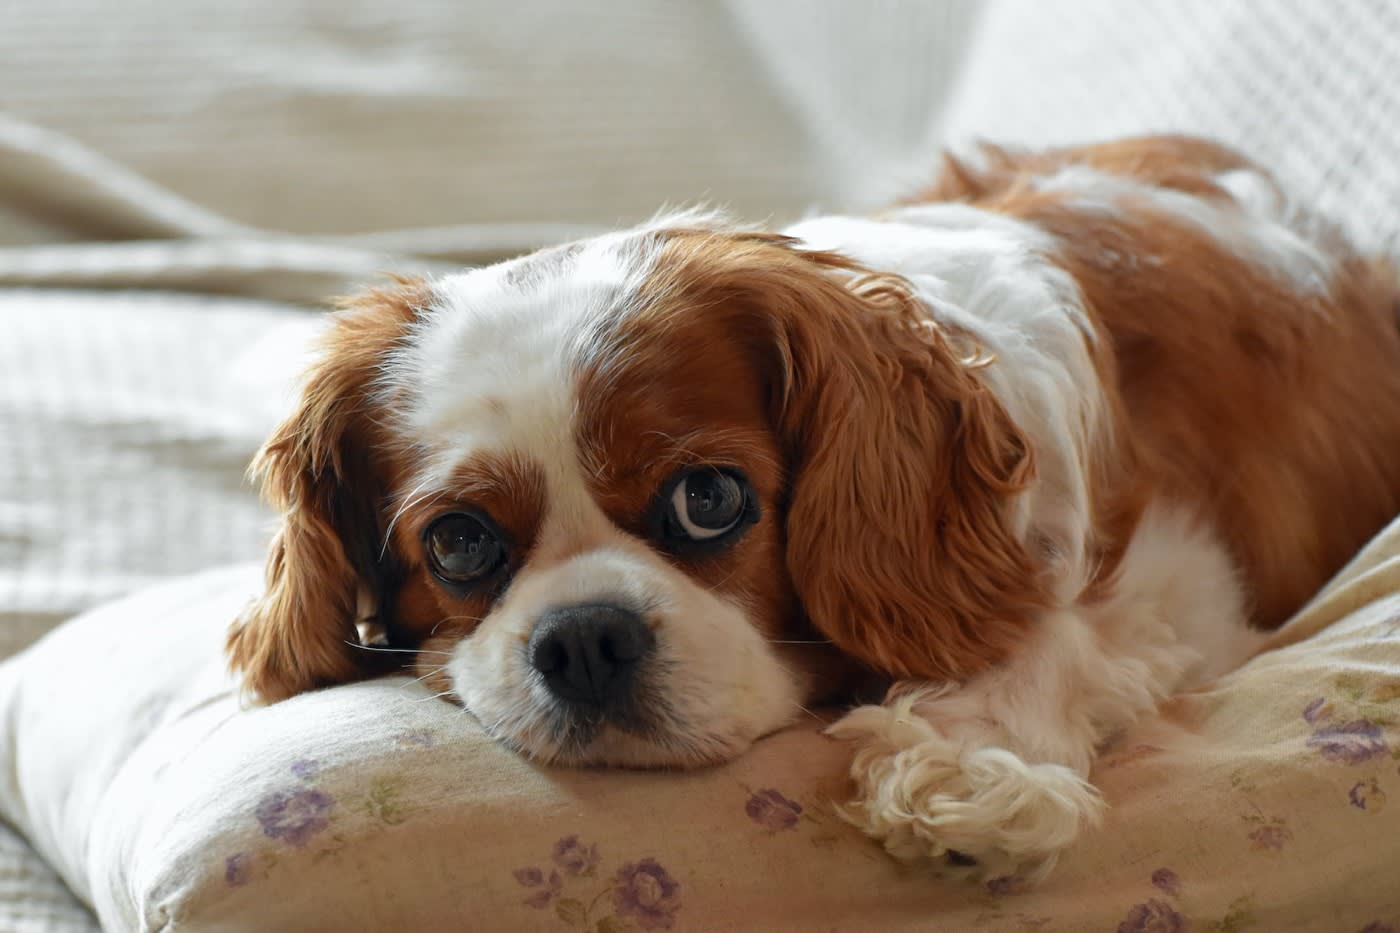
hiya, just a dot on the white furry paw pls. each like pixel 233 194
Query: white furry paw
pixel 924 795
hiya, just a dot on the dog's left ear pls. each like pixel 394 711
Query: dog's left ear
pixel 904 466
pixel 900 531
pixel 319 468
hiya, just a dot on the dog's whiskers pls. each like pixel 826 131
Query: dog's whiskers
pixel 437 670
pixel 355 644
pixel 445 620
pixel 407 503
pixel 435 696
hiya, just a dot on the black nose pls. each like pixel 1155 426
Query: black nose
pixel 589 654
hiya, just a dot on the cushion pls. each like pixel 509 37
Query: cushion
pixel 1260 801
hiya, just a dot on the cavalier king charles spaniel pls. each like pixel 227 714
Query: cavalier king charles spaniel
pixel 1029 452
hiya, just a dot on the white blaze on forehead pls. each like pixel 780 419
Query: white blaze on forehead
pixel 492 365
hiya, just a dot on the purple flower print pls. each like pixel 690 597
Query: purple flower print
pixel 645 892
pixel 772 810
pixel 1272 837
pixel 1367 795
pixel 1167 881
pixel 306 768
pixel 1006 885
pixel 1352 742
pixel 549 888
pixel 1155 916
pixel 530 877
pixel 575 858
pixel 295 818
pixel 1316 710
pixel 238 869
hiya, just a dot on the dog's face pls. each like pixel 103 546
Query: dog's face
pixel 636 500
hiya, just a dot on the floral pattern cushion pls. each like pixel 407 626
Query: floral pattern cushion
pixel 1268 801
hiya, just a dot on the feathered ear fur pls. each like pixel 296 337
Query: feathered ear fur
pixel 903 463
pixel 324 570
pixel 899 537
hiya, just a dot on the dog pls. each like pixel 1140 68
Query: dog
pixel 1063 434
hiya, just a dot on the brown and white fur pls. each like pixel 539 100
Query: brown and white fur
pixel 1037 448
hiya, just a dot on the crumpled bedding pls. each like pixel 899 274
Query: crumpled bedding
pixel 32 898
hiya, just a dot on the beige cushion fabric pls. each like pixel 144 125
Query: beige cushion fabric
pixel 1258 803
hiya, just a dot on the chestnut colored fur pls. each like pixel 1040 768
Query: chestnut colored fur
pixel 323 470
pixel 1275 412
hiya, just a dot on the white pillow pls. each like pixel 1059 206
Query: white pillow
pixel 375 806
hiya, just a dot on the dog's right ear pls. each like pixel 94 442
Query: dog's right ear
pixel 322 469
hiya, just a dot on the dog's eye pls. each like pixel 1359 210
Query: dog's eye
pixel 463 548
pixel 705 505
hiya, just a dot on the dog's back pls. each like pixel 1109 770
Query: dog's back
pixel 1273 382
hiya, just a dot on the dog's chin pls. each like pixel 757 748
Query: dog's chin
pixel 614 748
pixel 602 744
pixel 649 730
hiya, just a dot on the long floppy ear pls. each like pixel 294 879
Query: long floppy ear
pixel 904 465
pixel 324 569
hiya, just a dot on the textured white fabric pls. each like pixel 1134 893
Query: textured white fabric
pixel 126 422
pixel 1311 89
pixel 495 124
pixel 32 898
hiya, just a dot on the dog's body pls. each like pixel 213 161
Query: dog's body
pixel 1037 448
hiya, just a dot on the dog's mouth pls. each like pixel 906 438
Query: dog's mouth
pixel 611 747
pixel 645 717
pixel 644 735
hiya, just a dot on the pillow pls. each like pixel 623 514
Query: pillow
pixel 1260 802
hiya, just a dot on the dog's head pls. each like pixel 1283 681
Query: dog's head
pixel 635 500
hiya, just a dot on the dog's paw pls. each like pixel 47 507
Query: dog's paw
pixel 924 795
